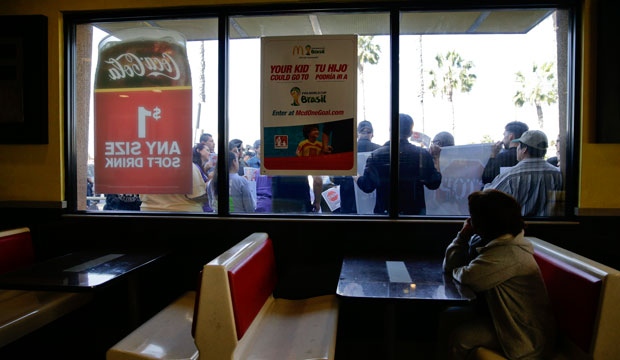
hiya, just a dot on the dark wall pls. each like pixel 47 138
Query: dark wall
pixel 308 251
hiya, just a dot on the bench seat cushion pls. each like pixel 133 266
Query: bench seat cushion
pixel 15 249
pixel 252 281
pixel 575 297
pixel 167 335
pixel 22 312
pixel 292 329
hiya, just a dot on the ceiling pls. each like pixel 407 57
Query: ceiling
pixel 411 23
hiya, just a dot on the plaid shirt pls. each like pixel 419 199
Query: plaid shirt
pixel 530 182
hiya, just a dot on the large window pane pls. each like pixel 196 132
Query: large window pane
pixel 297 194
pixel 202 106
pixel 463 77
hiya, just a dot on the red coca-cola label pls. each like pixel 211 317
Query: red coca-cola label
pixel 143 119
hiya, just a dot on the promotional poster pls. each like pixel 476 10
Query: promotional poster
pixel 308 105
pixel 143 114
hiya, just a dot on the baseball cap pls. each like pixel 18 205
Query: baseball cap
pixel 534 138
pixel 364 124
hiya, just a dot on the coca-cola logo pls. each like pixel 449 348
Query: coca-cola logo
pixel 130 65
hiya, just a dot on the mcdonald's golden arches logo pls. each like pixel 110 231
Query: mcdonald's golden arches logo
pixel 298 50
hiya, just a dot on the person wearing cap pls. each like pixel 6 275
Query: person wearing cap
pixel 531 180
pixel 507 157
pixel 442 139
pixel 416 170
pixel 364 137
pixel 347 190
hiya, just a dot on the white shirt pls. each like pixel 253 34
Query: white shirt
pixel 178 202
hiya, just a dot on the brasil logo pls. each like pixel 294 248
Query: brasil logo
pixel 295 92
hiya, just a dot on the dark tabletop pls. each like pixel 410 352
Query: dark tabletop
pixel 80 271
pixel 399 278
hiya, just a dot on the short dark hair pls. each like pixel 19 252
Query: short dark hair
pixel 495 213
pixel 517 128
pixel 234 143
pixel 205 137
pixel 406 124
pixel 533 152
pixel 307 128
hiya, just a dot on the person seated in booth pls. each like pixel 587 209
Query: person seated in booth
pixel 492 257
pixel 533 179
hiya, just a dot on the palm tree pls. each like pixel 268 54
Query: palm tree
pixel 538 88
pixel 367 53
pixel 452 73
pixel 421 92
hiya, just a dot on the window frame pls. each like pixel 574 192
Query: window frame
pixel 223 15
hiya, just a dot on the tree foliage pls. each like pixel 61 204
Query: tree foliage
pixel 452 73
pixel 537 88
pixel 367 53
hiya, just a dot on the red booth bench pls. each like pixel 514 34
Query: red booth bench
pixel 237 317
pixel 585 297
pixel 22 312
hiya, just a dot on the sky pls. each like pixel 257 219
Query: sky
pixel 483 111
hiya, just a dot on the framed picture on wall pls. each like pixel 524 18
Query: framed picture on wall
pixel 23 79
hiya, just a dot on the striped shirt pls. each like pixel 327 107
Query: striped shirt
pixel 529 182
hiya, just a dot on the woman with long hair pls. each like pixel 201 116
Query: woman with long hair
pixel 200 157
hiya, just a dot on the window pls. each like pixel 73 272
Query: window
pixel 470 79
pixel 283 194
pixel 463 77
pixel 111 93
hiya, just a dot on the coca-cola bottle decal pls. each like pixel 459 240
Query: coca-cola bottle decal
pixel 143 113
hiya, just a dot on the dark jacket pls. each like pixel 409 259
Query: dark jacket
pixel 416 171
pixel 506 158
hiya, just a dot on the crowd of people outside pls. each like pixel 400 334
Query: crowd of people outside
pixel 516 166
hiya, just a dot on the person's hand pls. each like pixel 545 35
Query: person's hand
pixel 467 231
pixel 434 150
pixel 496 148
pixel 327 149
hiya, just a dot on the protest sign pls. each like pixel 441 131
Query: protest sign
pixel 143 113
pixel 332 197
pixel 364 202
pixel 461 172
pixel 308 105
